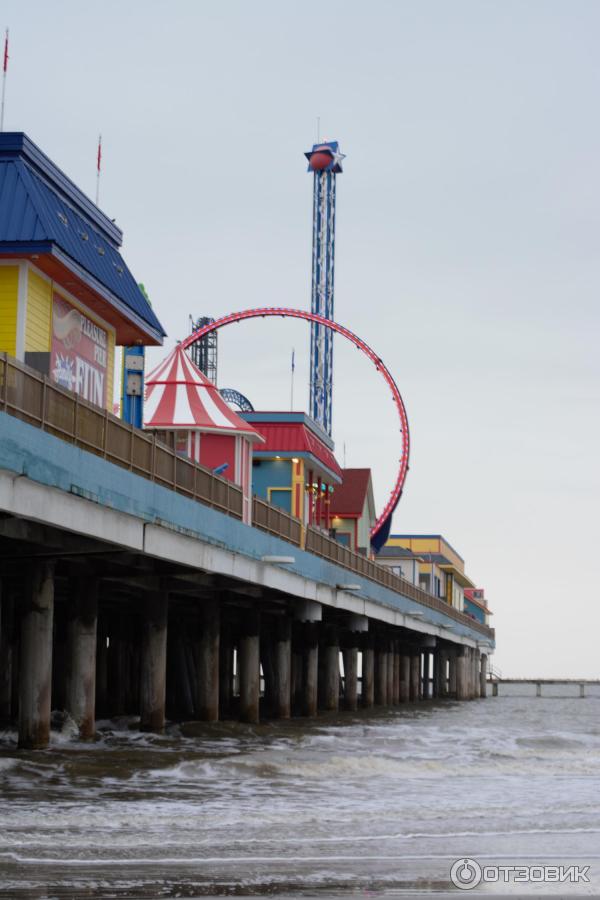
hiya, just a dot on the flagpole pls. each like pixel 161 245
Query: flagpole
pixel 98 167
pixel 4 71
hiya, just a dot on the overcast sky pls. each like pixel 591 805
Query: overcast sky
pixel 467 243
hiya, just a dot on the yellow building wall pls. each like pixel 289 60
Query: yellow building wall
pixel 38 322
pixel 428 545
pixel 9 293
pixel 298 495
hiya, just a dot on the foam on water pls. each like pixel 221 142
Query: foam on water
pixel 379 801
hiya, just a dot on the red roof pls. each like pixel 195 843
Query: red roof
pixel 290 438
pixel 349 497
pixel 179 395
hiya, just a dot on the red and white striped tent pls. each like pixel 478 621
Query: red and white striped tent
pixel 180 398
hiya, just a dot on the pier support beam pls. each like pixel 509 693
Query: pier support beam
pixel 310 669
pixel 249 668
pixel 207 662
pixel 368 673
pixel 426 675
pixel 390 673
pixel 476 657
pixel 483 676
pixel 452 672
pixel 225 671
pixel 462 673
pixel 381 672
pixel 439 673
pixel 82 619
pixel 153 661
pixel 35 676
pixel 404 696
pixel 7 644
pixel 415 677
pixel 329 669
pixel 350 656
pixel 396 671
pixel 282 669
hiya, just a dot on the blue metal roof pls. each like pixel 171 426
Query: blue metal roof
pixel 41 211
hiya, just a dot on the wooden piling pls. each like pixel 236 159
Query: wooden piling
pixel 350 658
pixel 415 677
pixel 390 673
pixel 153 662
pixel 404 695
pixel 282 668
pixel 225 670
pixel 7 642
pixel 329 669
pixel 80 687
pixel 249 667
pixel 35 676
pixel 207 667
pixel 310 669
pixel 483 676
pixel 381 673
pixel 396 671
pixel 368 672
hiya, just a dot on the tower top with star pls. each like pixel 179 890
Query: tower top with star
pixel 325 157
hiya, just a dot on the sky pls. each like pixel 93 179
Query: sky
pixel 466 254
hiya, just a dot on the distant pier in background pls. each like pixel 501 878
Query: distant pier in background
pixel 495 680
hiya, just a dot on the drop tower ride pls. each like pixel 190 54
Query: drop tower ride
pixel 325 162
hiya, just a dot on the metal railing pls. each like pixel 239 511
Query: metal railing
pixel 319 543
pixel 276 521
pixel 33 398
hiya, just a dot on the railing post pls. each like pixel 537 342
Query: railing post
pixel 75 418
pixel 105 436
pixel 44 385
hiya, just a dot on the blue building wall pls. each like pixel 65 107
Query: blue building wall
pixel 472 610
pixel 273 473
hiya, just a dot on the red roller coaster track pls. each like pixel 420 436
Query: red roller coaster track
pixel 360 345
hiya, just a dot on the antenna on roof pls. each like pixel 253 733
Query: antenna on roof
pixel 98 168
pixel 4 71
pixel 318 129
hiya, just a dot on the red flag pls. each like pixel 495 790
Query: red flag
pixel 6 52
pixel 99 152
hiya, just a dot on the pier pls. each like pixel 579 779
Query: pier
pixel 539 683
pixel 131 585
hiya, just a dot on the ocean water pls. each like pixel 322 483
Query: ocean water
pixel 380 803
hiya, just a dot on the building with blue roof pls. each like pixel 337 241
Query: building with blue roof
pixel 67 297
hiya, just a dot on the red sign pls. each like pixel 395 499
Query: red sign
pixel 79 352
